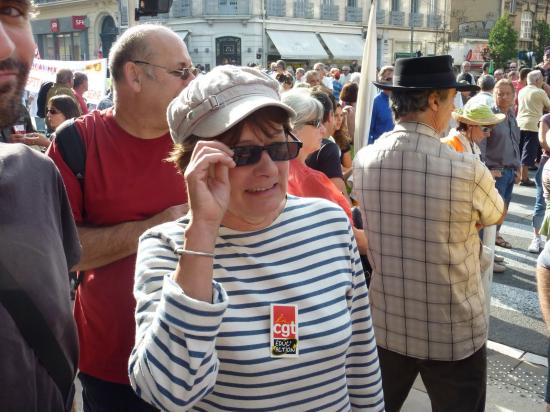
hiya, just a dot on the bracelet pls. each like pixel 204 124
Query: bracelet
pixel 181 251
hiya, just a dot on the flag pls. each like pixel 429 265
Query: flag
pixel 367 91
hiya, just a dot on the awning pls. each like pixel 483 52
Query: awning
pixel 297 45
pixel 344 46
pixel 183 34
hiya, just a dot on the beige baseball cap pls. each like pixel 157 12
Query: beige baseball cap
pixel 215 102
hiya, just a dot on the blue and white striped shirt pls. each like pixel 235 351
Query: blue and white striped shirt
pixel 193 355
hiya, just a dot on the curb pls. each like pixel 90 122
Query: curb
pixel 517 354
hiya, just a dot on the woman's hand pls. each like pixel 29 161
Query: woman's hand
pixel 208 186
pixel 31 139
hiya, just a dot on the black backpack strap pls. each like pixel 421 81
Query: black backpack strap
pixel 37 333
pixel 72 149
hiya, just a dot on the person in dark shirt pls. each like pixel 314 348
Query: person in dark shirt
pixel 39 242
pixel 327 158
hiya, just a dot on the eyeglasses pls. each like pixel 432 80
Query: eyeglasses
pixel 486 129
pixel 53 111
pixel 315 123
pixel 278 152
pixel 181 73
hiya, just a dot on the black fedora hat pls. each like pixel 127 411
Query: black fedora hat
pixel 425 73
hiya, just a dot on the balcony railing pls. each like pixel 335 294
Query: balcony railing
pixel 380 16
pixel 276 8
pixel 303 9
pixel 329 12
pixel 397 18
pixel 181 8
pixel 226 8
pixel 434 21
pixel 416 20
pixel 354 14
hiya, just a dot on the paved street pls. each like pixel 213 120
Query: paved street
pixel 516 320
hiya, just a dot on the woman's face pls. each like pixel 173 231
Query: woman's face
pixel 311 136
pixel 478 133
pixel 338 118
pixel 54 117
pixel 258 191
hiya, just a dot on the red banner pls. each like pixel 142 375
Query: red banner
pixel 79 22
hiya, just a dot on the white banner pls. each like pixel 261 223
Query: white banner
pixel 96 70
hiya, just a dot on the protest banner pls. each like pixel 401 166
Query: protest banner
pixel 96 70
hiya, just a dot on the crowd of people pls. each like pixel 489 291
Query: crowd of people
pixel 223 261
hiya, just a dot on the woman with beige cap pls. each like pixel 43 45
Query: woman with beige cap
pixel 255 300
pixel 474 124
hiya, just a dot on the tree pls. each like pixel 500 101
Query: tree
pixel 503 41
pixel 541 38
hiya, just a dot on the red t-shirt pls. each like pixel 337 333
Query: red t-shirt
pixel 81 102
pixel 307 182
pixel 126 179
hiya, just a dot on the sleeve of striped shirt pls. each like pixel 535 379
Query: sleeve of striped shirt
pixel 173 364
pixel 486 199
pixel 362 367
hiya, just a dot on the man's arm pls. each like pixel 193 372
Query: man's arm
pixel 104 245
pixel 543 131
pixel 543 289
pixel 543 284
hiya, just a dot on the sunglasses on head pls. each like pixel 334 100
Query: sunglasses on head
pixel 53 111
pixel 278 152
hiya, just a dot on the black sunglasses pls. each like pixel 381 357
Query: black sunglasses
pixel 278 152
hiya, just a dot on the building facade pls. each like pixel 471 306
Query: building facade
pixel 473 19
pixel 523 14
pixel 251 31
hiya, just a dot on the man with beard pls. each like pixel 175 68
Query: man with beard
pixel 127 188
pixel 38 244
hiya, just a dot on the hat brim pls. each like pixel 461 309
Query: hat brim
pixel 458 86
pixel 497 118
pixel 229 115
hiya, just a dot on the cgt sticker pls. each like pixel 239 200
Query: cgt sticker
pixel 284 331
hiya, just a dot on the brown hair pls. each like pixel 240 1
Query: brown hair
pixel 262 119
pixel 349 93
pixel 341 135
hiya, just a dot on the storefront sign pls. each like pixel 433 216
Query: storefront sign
pixel 79 22
pixel 54 25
